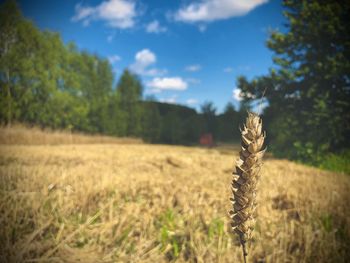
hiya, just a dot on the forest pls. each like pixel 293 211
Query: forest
pixel 48 83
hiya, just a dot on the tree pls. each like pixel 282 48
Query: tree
pixel 208 111
pixel 9 18
pixel 229 124
pixel 308 91
pixel 117 121
pixel 11 58
pixel 172 131
pixel 193 128
pixel 30 66
pixel 129 90
pixel 151 122
pixel 96 80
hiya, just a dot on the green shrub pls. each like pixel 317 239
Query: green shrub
pixel 339 162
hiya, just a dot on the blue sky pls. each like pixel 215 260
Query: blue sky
pixel 185 52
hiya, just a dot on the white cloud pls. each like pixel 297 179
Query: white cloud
pixel 82 13
pixel 228 70
pixel 174 83
pixel 117 13
pixel 145 57
pixel 191 101
pixel 155 27
pixel 143 60
pixel 113 59
pixel 193 68
pixel 211 10
pixel 237 94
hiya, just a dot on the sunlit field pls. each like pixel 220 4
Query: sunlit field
pixel 155 203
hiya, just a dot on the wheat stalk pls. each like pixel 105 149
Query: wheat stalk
pixel 245 178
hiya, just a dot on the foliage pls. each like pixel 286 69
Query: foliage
pixel 151 121
pixel 308 93
pixel 336 162
pixel 129 91
pixel 208 111
pixel 46 82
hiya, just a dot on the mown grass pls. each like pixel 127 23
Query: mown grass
pixel 19 134
pixel 156 203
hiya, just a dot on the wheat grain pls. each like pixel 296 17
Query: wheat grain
pixel 245 178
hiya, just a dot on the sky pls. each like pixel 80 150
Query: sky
pixel 185 52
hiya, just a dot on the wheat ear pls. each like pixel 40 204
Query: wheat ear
pixel 245 178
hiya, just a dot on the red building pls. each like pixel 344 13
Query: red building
pixel 206 139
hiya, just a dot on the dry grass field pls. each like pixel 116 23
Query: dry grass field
pixel 20 134
pixel 155 203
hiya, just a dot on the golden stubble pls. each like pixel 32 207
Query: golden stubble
pixel 157 203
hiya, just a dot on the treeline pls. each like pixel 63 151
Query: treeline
pixel 308 90
pixel 176 124
pixel 51 84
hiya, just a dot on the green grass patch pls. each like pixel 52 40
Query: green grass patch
pixel 216 228
pixel 336 162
